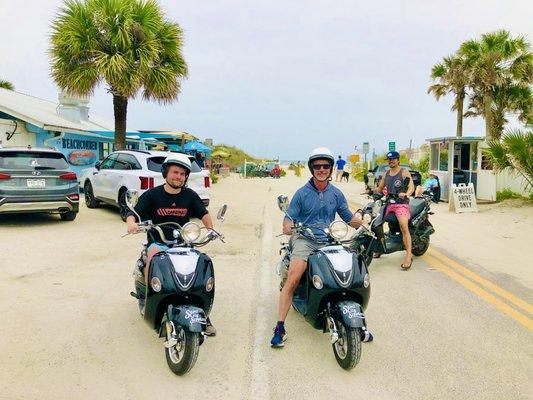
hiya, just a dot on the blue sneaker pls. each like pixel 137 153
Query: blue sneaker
pixel 280 335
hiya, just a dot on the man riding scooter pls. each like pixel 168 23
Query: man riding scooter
pixel 171 202
pixel 393 182
pixel 316 203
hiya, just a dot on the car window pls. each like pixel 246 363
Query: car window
pixel 127 162
pixel 24 160
pixel 154 163
pixel 195 167
pixel 108 162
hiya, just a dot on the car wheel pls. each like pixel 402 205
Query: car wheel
pixel 122 206
pixel 90 201
pixel 68 216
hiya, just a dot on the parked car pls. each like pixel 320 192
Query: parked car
pixel 374 175
pixel 138 170
pixel 37 180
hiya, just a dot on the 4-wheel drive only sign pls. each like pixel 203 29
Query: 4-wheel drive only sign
pixel 463 198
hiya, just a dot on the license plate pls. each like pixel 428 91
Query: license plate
pixel 35 183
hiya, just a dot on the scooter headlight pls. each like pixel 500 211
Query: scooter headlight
pixel 366 281
pixel 367 218
pixel 155 283
pixel 317 282
pixel 358 215
pixel 210 284
pixel 338 230
pixel 190 232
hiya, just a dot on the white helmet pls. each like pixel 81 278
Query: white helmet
pixel 320 153
pixel 179 159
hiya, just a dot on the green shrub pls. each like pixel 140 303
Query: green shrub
pixel 213 176
pixel 507 194
pixel 282 172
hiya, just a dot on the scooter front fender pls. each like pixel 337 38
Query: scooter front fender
pixel 351 313
pixel 190 318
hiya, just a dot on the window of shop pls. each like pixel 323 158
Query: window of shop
pixel 104 149
pixel 443 159
pixel 434 156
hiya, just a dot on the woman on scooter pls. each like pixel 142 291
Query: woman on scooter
pixel 393 182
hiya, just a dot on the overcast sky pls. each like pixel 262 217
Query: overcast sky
pixel 278 78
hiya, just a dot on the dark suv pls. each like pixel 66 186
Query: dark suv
pixel 37 180
pixel 374 175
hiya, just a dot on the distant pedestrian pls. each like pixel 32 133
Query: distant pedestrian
pixel 297 169
pixel 340 168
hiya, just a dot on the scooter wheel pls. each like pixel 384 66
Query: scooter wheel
pixel 347 349
pixel 182 357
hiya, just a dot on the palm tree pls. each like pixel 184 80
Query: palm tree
pixel 509 98
pixel 493 62
pixel 128 44
pixel 515 153
pixel 452 77
pixel 6 85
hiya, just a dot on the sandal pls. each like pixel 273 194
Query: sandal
pixel 376 255
pixel 406 267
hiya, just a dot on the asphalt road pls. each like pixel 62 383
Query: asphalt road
pixel 70 329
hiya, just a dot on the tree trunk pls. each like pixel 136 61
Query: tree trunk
pixel 460 102
pixel 489 123
pixel 120 108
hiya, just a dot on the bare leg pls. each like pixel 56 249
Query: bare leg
pixel 419 190
pixel 296 270
pixel 406 237
pixel 149 255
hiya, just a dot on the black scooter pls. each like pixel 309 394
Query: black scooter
pixel 335 289
pixel 375 240
pixel 181 288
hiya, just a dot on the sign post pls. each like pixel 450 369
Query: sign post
pixel 366 148
pixel 463 198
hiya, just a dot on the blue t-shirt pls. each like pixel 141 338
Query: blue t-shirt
pixel 340 164
pixel 312 207
pixel 430 183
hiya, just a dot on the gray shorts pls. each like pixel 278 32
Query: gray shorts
pixel 302 247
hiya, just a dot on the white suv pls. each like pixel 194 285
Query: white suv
pixel 138 170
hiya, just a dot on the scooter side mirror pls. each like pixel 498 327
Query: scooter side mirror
pixel 97 165
pixel 222 212
pixel 283 203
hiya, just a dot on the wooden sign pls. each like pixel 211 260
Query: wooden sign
pixel 463 198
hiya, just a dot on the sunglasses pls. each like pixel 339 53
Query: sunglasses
pixel 316 167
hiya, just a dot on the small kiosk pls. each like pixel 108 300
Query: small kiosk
pixel 456 160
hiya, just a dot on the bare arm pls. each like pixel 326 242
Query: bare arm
pixel 207 221
pixel 287 226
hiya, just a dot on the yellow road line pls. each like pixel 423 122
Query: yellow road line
pixel 482 281
pixel 489 298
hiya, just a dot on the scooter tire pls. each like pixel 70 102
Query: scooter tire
pixel 185 363
pixel 347 349
pixel 420 246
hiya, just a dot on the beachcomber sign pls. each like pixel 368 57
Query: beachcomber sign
pixel 463 198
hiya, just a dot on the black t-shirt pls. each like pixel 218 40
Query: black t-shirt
pixel 160 206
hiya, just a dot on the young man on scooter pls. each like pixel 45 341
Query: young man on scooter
pixel 393 182
pixel 170 202
pixel 317 202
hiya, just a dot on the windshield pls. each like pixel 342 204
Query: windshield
pixel 24 160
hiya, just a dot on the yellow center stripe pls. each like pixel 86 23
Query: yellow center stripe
pixel 482 281
pixel 500 305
